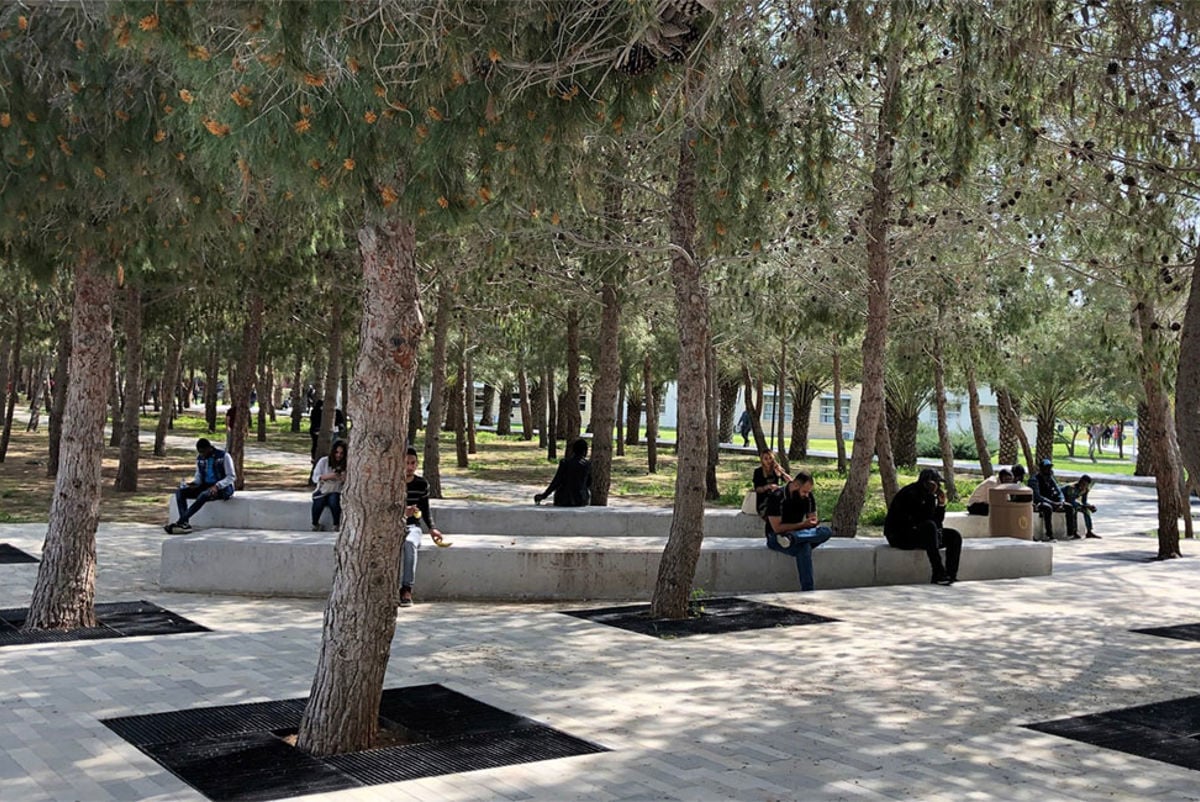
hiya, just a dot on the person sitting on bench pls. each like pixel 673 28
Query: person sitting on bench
pixel 977 504
pixel 792 525
pixel 214 479
pixel 914 521
pixel 572 482
pixel 1048 499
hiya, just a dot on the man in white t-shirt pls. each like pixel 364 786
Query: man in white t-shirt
pixel 977 504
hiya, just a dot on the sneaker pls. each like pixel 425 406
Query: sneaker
pixel 406 599
pixel 941 580
pixel 179 528
pixel 1092 534
pixel 169 529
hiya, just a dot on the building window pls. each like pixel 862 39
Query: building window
pixel 827 410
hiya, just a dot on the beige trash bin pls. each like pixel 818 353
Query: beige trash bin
pixel 1010 512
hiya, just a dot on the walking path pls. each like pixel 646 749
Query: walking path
pixel 915 692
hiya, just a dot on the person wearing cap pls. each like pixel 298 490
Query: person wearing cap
pixel 914 521
pixel 214 479
pixel 792 525
pixel 1048 499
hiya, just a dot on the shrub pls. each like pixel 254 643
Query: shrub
pixel 963 443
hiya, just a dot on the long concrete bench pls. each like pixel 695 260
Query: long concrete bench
pixel 977 525
pixel 277 563
pixel 290 511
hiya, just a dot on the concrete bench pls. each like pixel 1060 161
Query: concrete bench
pixel 277 563
pixel 971 526
pixel 290 511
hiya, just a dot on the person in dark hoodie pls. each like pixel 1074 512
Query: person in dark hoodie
pixel 572 482
pixel 914 521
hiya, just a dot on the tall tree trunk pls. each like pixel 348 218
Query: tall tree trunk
pixel 804 393
pixel 1159 435
pixel 342 714
pixel 981 444
pixel 5 363
pixel 504 410
pixel 458 409
pixel 329 404
pixel 211 374
pixel 39 393
pixel 879 294
pixel 1144 461
pixel 712 490
pixel 241 381
pixel 1187 383
pixel 115 400
pixel 651 416
pixel 64 594
pixel 943 425
pixel 1006 447
pixel 887 463
pixel 9 397
pixel 486 418
pixel 437 365
pixel 1046 419
pixel 127 467
pixel 604 389
pixel 620 419
pixel 58 404
pixel 677 570
pixel 170 378
pixel 572 420
pixel 1010 417
pixel 633 417
pixel 780 405
pixel 415 411
pixel 527 418
pixel 272 394
pixel 298 398
pixel 754 404
pixel 264 402
pixel 550 415
pixel 469 405
pixel 839 436
pixel 903 423
pixel 727 391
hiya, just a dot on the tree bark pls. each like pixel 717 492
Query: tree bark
pixel 504 410
pixel 489 400
pixel 549 415
pixel 415 412
pixel 170 378
pixel 712 490
pixel 887 464
pixel 58 402
pixel 804 392
pixel 342 714
pixel 241 381
pixel 127 466
pixel 9 397
pixel 651 416
pixel 1187 383
pixel 879 276
pixel 620 419
pixel 211 374
pixel 527 424
pixel 1144 462
pixel 839 437
pixel 780 405
pixel 604 390
pixel 571 417
pixel 437 366
pixel 114 401
pixel 329 394
pixel 64 594
pixel 469 398
pixel 677 570
pixel 754 404
pixel 728 392
pixel 981 444
pixel 298 396
pixel 633 416
pixel 458 408
pixel 1010 416
pixel 943 425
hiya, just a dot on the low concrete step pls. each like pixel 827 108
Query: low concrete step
pixel 276 563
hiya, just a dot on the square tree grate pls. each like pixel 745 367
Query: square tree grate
pixel 710 617
pixel 1178 632
pixel 1126 556
pixel 1166 731
pixel 240 752
pixel 11 554
pixel 114 620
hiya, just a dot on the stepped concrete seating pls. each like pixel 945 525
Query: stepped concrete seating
pixel 977 525
pixel 290 511
pixel 272 562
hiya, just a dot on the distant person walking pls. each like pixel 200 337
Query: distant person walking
pixel 745 426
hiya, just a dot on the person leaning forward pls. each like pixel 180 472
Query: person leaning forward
pixel 792 525
pixel 214 479
pixel 914 521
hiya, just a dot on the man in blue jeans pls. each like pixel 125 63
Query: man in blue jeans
pixel 214 479
pixel 792 525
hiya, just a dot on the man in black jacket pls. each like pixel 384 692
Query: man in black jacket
pixel 914 521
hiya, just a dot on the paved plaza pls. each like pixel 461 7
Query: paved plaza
pixel 915 692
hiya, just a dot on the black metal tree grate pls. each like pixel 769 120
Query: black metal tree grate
pixel 114 620
pixel 11 555
pixel 709 617
pixel 239 753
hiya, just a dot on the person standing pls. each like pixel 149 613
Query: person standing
pixel 793 526
pixel 914 521
pixel 744 427
pixel 416 512
pixel 329 476
pixel 214 479
pixel 572 482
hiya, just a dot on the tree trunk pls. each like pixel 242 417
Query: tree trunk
pixel 437 365
pixel 115 401
pixel 677 570
pixel 212 370
pixel 329 395
pixel 5 363
pixel 1006 451
pixel 458 409
pixel 264 402
pixel 1010 417
pixel 571 417
pixel 712 490
pixel 298 397
pixel 839 436
pixel 903 425
pixel 803 394
pixel 1187 383
pixel 981 445
pixel 127 467
pixel 489 400
pixel 633 417
pixel 780 405
pixel 879 276
pixel 9 397
pixel 64 595
pixel 342 714
pixel 887 464
pixel 620 418
pixel 943 426
pixel 1159 435
pixel 272 394
pixel 1046 419
pixel 550 415
pixel 1144 462
pixel 727 392
pixel 39 393
pixel 469 400
pixel 754 405
pixel 651 416
pixel 503 417
pixel 415 411
pixel 527 424
pixel 170 378
pixel 58 403
pixel 604 389
pixel 241 381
